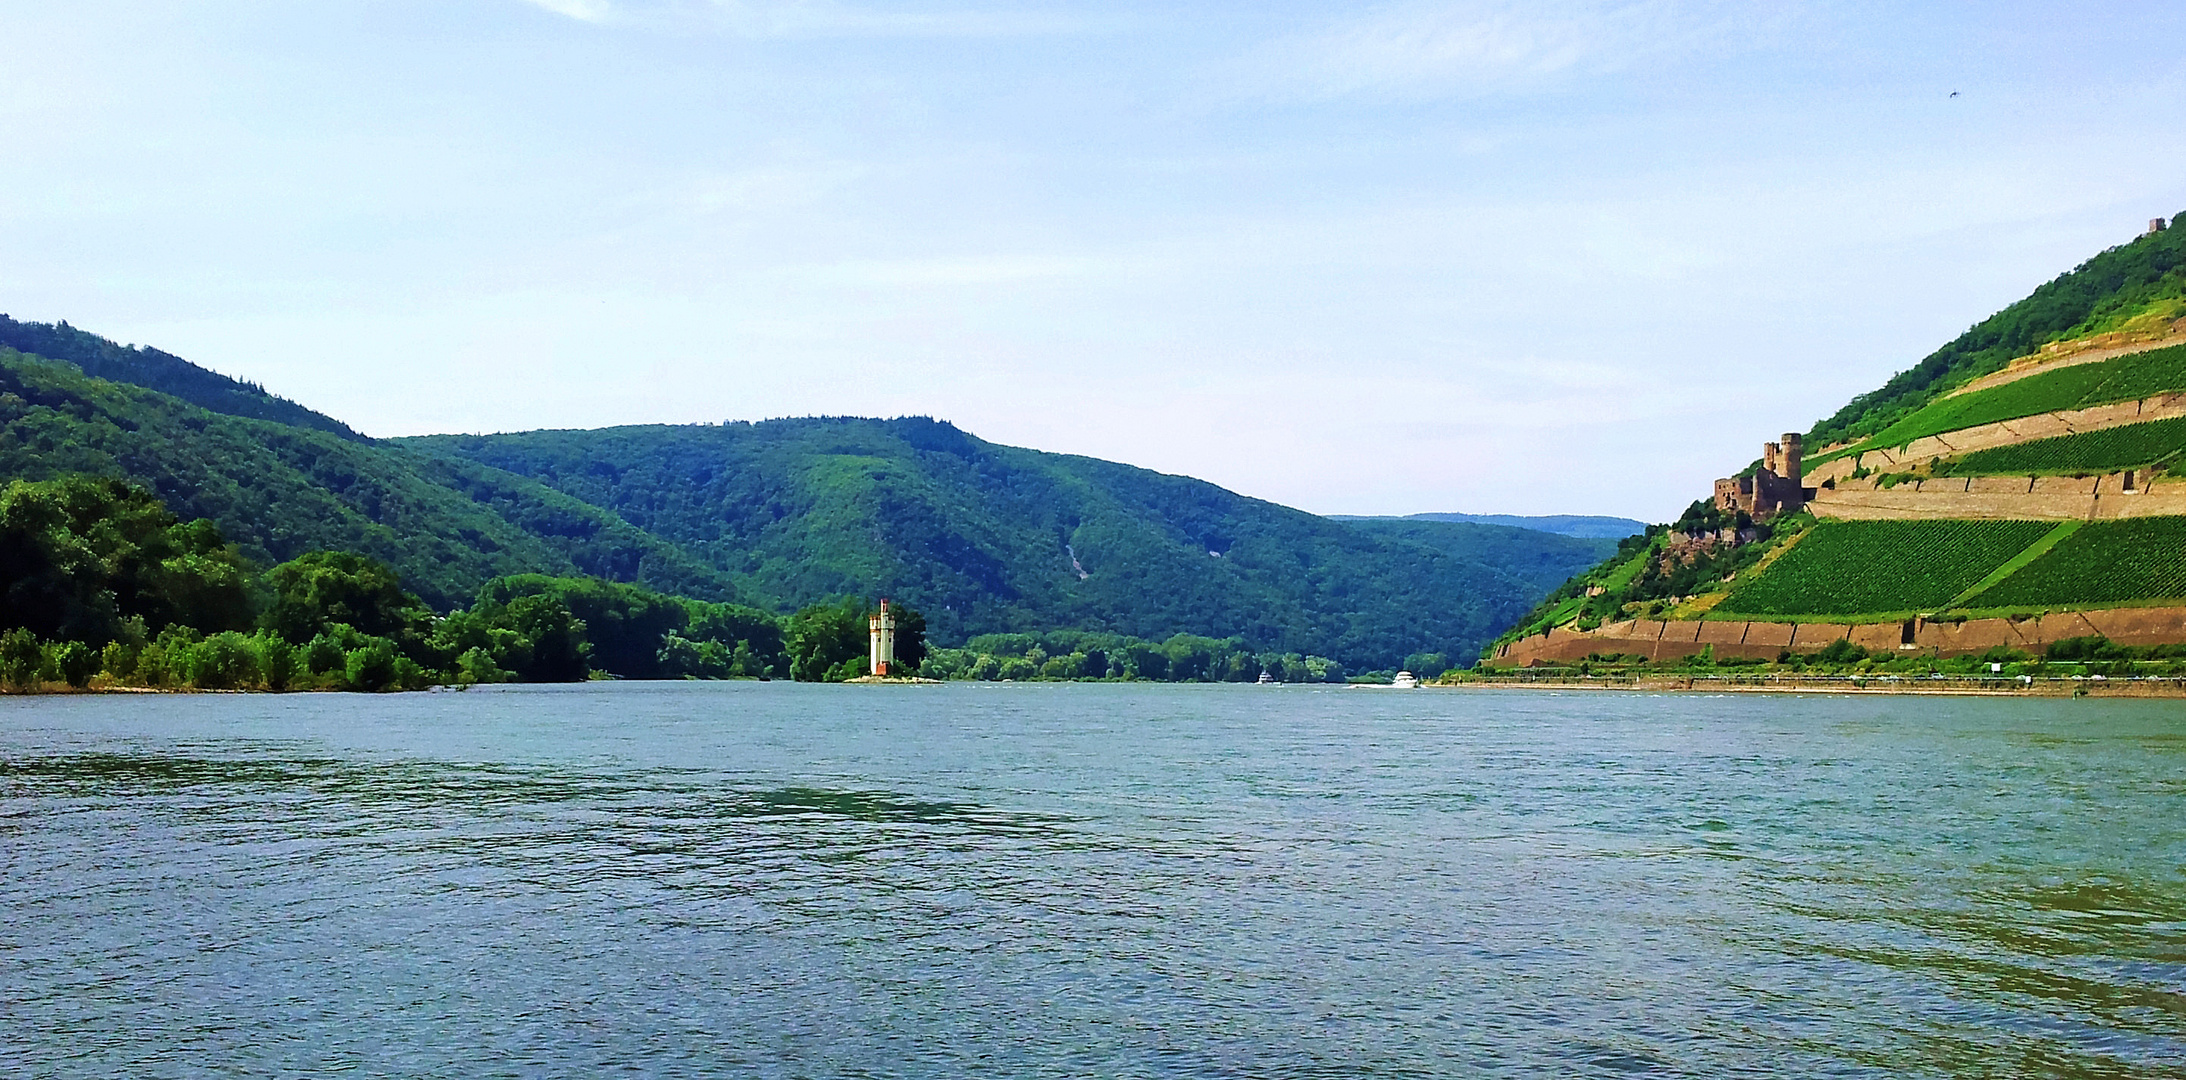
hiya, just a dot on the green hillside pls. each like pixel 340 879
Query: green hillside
pixel 2103 562
pixel 988 538
pixel 2106 450
pixel 1848 568
pixel 2125 378
pixel 1794 568
pixel 783 514
pixel 278 490
pixel 164 372
pixel 2142 280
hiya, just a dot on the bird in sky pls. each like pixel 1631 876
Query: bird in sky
pixel 1954 93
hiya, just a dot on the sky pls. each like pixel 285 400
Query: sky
pixel 1372 259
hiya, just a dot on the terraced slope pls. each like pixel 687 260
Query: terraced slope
pixel 1845 568
pixel 2143 279
pixel 2105 562
pixel 2125 378
pixel 2134 446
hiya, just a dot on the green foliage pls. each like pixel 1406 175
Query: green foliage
pixel 476 665
pixel 624 624
pixel 280 491
pixel 164 372
pixel 79 555
pixel 1083 655
pixel 2125 378
pixel 534 635
pixel 985 538
pixel 827 642
pixel 2105 450
pixel 372 667
pixel 2104 562
pixel 76 663
pixel 1874 567
pixel 21 659
pixel 224 661
pixel 314 591
pixel 1840 652
pixel 2126 278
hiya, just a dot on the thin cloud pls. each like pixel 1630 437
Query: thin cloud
pixel 1426 50
pixel 591 11
pixel 818 18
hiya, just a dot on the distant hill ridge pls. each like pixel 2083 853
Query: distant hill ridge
pixel 165 372
pixel 983 538
pixel 1582 525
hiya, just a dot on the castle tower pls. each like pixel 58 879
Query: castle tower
pixel 881 629
pixel 1788 458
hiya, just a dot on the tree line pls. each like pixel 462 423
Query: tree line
pixel 101 584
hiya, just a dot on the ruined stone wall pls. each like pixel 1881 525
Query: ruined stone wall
pixel 1660 641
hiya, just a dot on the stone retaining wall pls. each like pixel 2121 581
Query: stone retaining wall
pixel 2002 433
pixel 1657 640
pixel 2015 498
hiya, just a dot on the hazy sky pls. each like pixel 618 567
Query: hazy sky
pixel 1525 257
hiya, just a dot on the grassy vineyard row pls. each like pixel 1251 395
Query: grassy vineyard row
pixel 2108 450
pixel 1869 567
pixel 2126 378
pixel 2104 562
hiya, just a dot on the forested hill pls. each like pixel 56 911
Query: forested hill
pixel 164 372
pixel 280 490
pixel 985 538
pixel 988 538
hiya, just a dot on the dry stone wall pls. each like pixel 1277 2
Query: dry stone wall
pixel 2002 433
pixel 2003 498
pixel 1657 640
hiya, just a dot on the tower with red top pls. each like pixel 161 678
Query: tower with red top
pixel 882 631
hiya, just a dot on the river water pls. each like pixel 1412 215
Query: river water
pixel 1090 880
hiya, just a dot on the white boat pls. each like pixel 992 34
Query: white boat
pixel 1265 680
pixel 1405 680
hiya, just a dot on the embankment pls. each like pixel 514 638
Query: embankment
pixel 1755 640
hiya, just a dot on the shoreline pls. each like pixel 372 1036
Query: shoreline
pixel 1951 686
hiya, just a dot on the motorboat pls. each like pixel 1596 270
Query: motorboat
pixel 1405 680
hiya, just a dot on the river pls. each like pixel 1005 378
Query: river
pixel 766 879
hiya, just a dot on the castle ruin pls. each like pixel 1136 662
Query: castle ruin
pixel 1772 489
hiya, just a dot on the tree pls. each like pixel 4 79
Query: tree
pixel 822 638
pixel 20 658
pixel 78 555
pixel 555 649
pixel 312 592
pixel 624 624
pixel 371 667
pixel 910 636
pixel 77 663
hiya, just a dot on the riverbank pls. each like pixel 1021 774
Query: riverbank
pixel 1955 685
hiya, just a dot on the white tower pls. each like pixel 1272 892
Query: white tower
pixel 883 639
